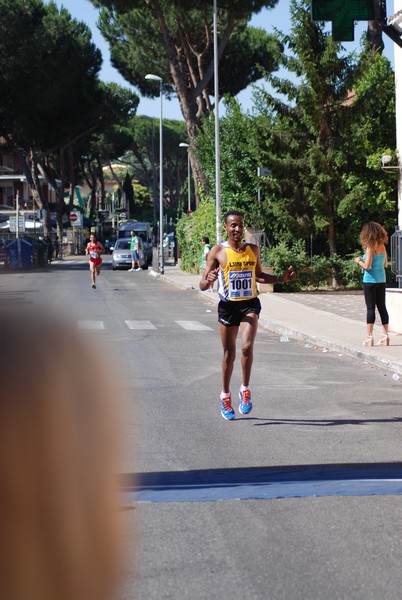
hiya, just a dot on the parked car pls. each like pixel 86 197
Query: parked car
pixel 121 256
pixel 109 244
pixel 143 230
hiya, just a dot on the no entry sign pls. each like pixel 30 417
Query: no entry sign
pixel 75 219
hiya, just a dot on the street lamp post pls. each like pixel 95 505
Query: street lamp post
pixel 398 110
pixel 161 262
pixel 153 172
pixel 217 147
pixel 153 167
pixel 184 145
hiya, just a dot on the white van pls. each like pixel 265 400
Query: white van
pixel 144 232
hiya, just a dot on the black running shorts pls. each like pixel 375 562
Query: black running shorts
pixel 232 313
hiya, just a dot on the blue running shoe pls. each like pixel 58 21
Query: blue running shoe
pixel 245 405
pixel 227 411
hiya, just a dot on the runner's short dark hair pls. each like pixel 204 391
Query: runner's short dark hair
pixel 236 213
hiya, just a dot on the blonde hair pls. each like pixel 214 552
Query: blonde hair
pixel 58 496
pixel 373 234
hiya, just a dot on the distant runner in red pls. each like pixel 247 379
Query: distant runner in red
pixel 94 249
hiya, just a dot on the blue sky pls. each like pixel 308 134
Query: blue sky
pixel 278 17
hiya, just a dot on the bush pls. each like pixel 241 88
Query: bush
pixel 349 274
pixel 190 230
pixel 317 272
pixel 282 256
pixel 344 270
pixel 312 273
pixel 320 272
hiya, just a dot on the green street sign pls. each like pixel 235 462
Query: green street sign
pixel 343 14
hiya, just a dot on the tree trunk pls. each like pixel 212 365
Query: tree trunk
pixel 61 204
pixel 188 97
pixel 116 179
pixel 27 167
pixel 91 181
pixel 332 246
pixel 374 37
pixel 48 175
pixel 102 198
pixel 374 30
pixel 44 205
pixel 71 176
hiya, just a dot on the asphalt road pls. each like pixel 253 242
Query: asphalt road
pixel 306 526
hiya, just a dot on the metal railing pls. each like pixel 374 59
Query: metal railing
pixel 396 256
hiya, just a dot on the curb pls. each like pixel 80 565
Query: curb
pixel 298 335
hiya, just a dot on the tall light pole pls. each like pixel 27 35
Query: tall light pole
pixel 217 147
pixel 161 265
pixel 398 111
pixel 184 145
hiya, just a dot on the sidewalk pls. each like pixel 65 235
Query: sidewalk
pixel 288 316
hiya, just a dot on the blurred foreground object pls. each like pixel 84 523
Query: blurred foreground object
pixel 58 464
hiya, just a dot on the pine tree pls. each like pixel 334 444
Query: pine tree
pixel 174 40
pixel 322 138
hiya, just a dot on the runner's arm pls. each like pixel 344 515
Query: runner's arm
pixel 288 275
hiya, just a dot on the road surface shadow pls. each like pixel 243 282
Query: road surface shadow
pixel 352 479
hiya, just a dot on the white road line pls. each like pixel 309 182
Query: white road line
pixel 140 325
pixel 194 326
pixel 91 325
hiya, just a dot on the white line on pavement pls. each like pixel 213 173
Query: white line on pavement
pixel 140 325
pixel 194 326
pixel 91 325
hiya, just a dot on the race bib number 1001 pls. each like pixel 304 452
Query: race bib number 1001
pixel 240 284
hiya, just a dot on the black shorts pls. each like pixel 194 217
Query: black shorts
pixel 233 313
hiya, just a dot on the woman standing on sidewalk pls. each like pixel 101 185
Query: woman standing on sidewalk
pixel 94 249
pixel 373 238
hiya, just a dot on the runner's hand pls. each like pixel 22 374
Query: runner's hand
pixel 289 275
pixel 212 276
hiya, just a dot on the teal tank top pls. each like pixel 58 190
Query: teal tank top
pixel 376 274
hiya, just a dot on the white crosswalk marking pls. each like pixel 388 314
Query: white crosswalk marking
pixel 140 325
pixel 91 325
pixel 194 326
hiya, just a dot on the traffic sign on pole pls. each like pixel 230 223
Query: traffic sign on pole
pixel 76 218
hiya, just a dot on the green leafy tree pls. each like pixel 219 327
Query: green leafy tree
pixel 129 194
pixel 239 160
pixel 143 203
pixel 174 39
pixel 109 142
pixel 143 158
pixel 190 230
pixel 48 85
pixel 322 139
